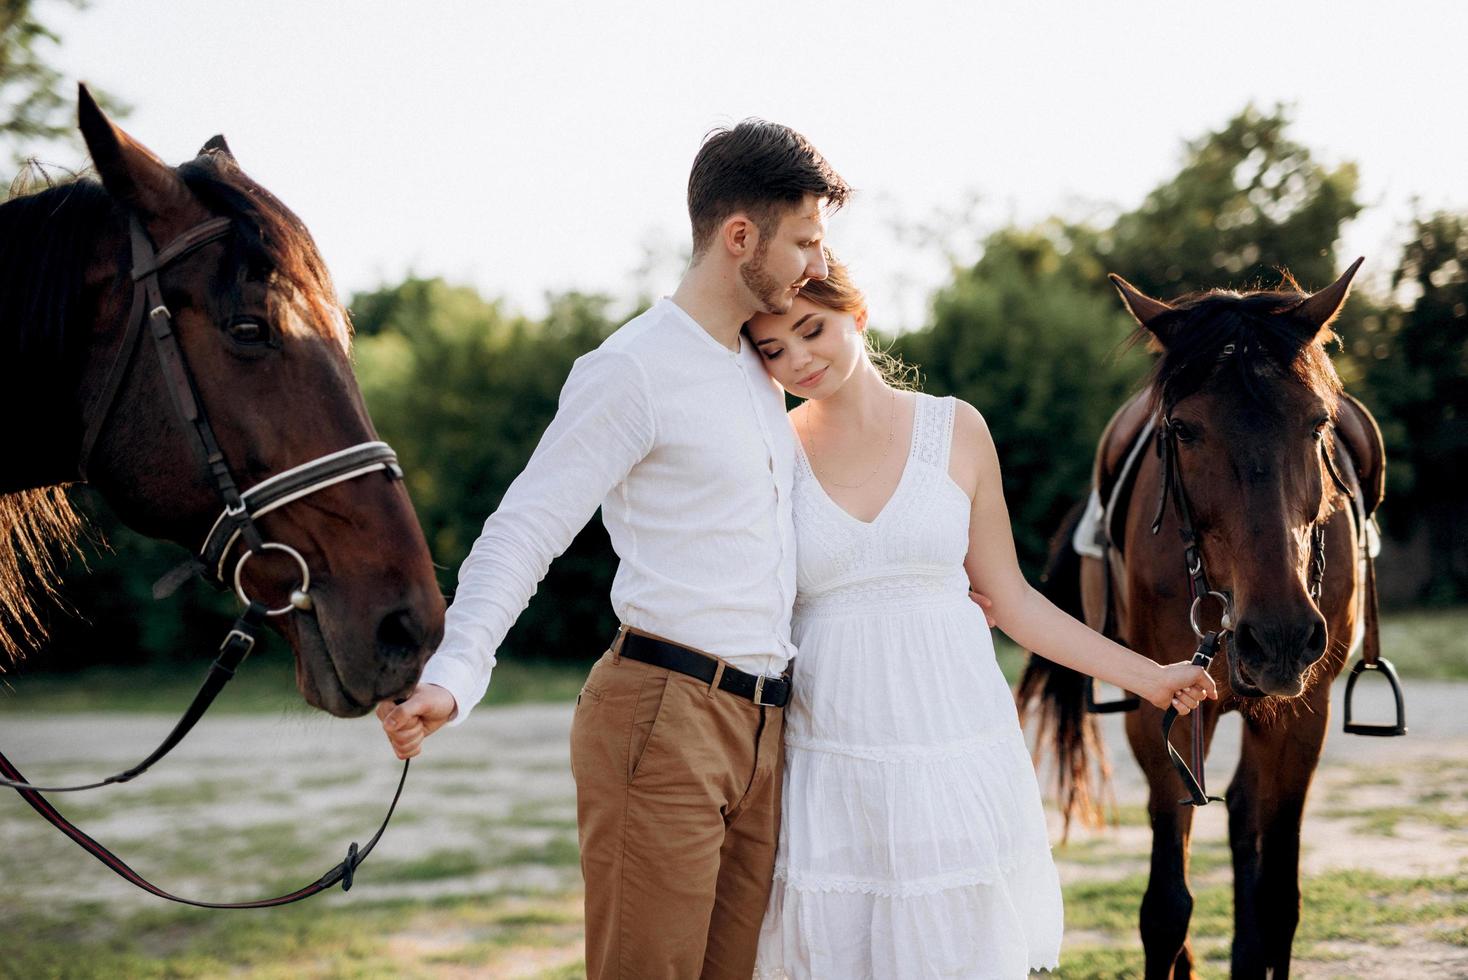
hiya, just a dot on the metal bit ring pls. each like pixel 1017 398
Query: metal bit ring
pixel 300 597
pixel 1225 616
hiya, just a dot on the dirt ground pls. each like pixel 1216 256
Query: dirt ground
pixel 254 801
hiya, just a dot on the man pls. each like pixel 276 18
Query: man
pixel 673 427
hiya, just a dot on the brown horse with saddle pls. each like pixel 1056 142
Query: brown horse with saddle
pixel 171 337
pixel 1231 514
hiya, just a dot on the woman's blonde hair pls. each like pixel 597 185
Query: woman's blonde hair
pixel 837 292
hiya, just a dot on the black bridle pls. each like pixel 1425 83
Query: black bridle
pixel 235 524
pixel 1213 643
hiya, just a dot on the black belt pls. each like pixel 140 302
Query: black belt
pixel 770 692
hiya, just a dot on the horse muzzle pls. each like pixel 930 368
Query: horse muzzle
pixel 1273 659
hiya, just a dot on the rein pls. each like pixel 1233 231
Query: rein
pixel 236 523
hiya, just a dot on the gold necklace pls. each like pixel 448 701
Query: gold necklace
pixel 891 431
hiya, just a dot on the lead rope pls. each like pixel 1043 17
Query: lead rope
pixel 343 872
pixel 1197 792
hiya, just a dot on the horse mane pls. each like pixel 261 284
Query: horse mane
pixel 38 528
pixel 1250 336
pixel 47 240
pixel 268 240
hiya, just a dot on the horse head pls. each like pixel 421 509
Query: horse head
pixel 1246 399
pixel 266 350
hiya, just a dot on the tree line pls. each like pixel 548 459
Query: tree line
pixel 1031 333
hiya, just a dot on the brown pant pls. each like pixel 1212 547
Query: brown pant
pixel 678 810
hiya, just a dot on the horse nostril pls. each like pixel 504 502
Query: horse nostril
pixel 1315 645
pixel 399 636
pixel 1246 642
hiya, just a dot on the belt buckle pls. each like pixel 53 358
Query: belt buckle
pixel 759 690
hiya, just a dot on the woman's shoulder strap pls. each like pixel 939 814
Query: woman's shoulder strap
pixel 932 429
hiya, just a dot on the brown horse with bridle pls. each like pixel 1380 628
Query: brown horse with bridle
pixel 171 337
pixel 1231 515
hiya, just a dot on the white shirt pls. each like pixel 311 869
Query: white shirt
pixel 685 446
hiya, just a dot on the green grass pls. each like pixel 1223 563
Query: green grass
pixel 1383 821
pixel 559 851
pixel 436 866
pixel 1375 776
pixel 1339 906
pixel 1100 963
pixel 1454 937
pixel 353 940
pixel 1428 644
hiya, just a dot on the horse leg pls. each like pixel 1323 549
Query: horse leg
pixel 1167 905
pixel 1243 839
pixel 1266 806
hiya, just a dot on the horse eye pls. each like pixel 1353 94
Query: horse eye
pixel 1183 433
pixel 246 331
pixel 1320 427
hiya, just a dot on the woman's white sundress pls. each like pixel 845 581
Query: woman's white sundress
pixel 913 842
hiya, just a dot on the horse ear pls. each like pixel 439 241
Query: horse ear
pixel 129 170
pixel 1319 309
pixel 1142 307
pixel 216 144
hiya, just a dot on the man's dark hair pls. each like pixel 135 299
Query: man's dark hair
pixel 760 168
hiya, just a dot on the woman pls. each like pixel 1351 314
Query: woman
pixel 913 842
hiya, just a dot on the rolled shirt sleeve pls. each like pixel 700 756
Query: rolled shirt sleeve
pixel 603 426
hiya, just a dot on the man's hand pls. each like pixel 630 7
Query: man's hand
pixel 409 723
pixel 985 603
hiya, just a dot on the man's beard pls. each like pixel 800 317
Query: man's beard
pixel 769 294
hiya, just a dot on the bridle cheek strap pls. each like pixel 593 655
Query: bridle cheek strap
pixel 146 266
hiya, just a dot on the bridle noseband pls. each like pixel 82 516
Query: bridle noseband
pixel 236 523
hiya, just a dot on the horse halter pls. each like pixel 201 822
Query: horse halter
pixel 236 523
pixel 1211 643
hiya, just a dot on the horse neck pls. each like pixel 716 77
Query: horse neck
pixel 48 313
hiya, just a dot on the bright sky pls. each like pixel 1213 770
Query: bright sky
pixel 540 146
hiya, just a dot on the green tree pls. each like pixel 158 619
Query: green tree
pixel 1248 201
pixel 464 390
pixel 1032 334
pixel 1028 337
pixel 36 103
pixel 1412 362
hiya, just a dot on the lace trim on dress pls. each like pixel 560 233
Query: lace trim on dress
pixel 932 433
pixel 912 887
pixel 876 595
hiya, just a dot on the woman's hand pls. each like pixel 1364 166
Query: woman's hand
pixel 409 723
pixel 984 603
pixel 1183 686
